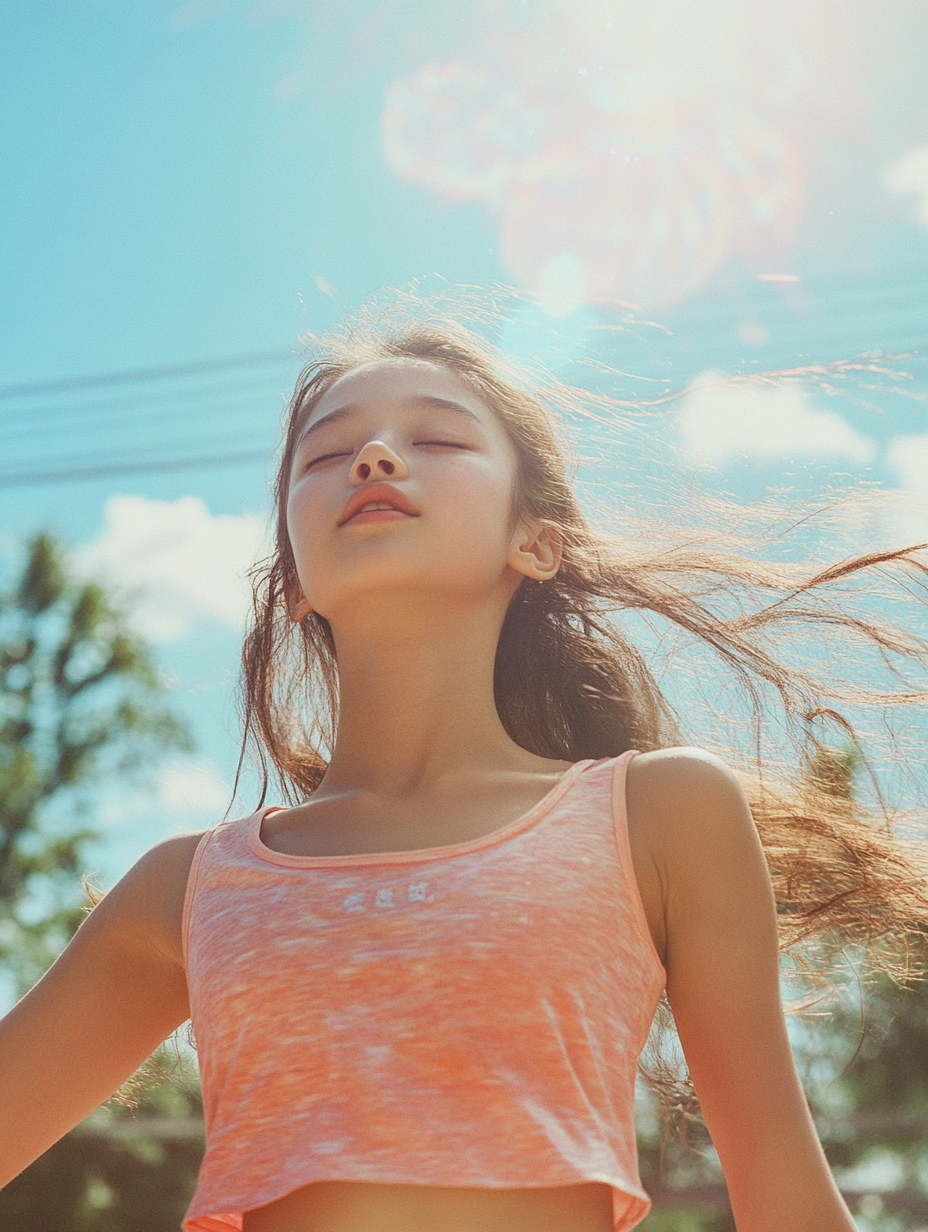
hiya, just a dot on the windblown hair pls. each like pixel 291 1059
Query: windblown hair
pixel 570 682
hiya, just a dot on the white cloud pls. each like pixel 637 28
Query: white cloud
pixel 187 794
pixel 178 562
pixel 910 175
pixel 908 455
pixel 720 421
pixel 191 788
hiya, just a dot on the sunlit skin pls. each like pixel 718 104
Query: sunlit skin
pixel 416 599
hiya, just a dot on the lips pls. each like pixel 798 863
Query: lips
pixel 378 494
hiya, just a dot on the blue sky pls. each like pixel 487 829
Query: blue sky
pixel 208 181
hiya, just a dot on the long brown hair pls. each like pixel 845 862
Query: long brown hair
pixel 571 683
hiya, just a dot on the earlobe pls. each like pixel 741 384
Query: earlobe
pixel 300 611
pixel 537 551
pixel 298 606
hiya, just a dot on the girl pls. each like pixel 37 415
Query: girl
pixel 421 989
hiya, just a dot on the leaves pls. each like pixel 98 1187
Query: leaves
pixel 80 702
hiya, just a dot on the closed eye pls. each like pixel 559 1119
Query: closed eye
pixel 346 453
pixel 325 457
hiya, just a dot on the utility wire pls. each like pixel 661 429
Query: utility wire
pixel 126 405
pixel 218 406
pixel 213 403
pixel 830 298
pixel 217 412
pixel 112 470
pixel 133 375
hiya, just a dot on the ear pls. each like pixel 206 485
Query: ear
pixel 298 606
pixel 536 550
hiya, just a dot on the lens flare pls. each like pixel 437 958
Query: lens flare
pixel 460 130
pixel 628 147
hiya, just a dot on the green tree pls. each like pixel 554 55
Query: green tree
pixel 863 1056
pixel 80 703
pixel 871 1098
pixel 874 1114
pixel 123 1170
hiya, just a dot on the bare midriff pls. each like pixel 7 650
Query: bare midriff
pixel 356 1206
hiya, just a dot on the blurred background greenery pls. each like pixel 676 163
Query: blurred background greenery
pixel 80 702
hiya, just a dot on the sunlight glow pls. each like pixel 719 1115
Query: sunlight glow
pixel 629 146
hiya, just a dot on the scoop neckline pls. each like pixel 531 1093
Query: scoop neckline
pixel 420 854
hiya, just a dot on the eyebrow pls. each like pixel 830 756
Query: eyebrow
pixel 428 401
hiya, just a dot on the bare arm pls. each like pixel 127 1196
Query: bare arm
pixel 700 855
pixel 114 994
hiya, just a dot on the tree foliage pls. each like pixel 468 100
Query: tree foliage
pixel 123 1170
pixel 863 1056
pixel 80 702
pixel 878 1098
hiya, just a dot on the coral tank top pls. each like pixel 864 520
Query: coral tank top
pixel 468 1015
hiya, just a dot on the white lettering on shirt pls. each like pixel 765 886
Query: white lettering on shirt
pixel 416 892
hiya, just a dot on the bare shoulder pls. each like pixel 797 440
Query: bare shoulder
pixel 694 845
pixel 147 904
pixel 685 801
pixel 686 775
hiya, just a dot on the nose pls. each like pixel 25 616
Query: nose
pixel 377 461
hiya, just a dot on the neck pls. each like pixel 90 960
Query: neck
pixel 416 699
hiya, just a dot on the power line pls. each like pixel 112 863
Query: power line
pixel 112 470
pixel 136 458
pixel 862 292
pixel 89 417
pixel 126 405
pixel 218 410
pixel 131 376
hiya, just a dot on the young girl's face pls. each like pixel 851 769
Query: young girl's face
pixel 402 482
